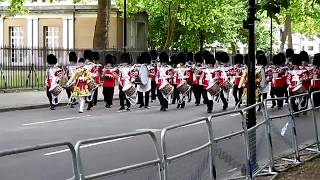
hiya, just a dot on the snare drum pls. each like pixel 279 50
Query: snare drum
pixel 183 87
pixel 299 89
pixel 92 85
pixel 129 90
pixel 214 89
pixel 226 85
pixel 166 88
pixel 55 90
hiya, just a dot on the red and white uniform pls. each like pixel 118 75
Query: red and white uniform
pixel 197 73
pixel 208 76
pixel 109 77
pixel 297 76
pixel 153 70
pixel 179 76
pixel 96 71
pixel 275 75
pixel 236 73
pixel 189 75
pixel 315 78
pixel 53 76
pixel 164 73
pixel 125 76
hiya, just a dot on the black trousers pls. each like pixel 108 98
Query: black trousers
pixel 108 95
pixel 153 90
pixel 95 97
pixel 285 90
pixel 264 96
pixel 190 92
pixel 316 97
pixel 175 94
pixel 278 92
pixel 197 91
pixel 163 101
pixel 237 93
pixel 123 98
pixel 146 98
pixel 224 100
pixel 50 98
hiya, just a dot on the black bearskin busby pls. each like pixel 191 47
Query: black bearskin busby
pixel 276 59
pixel 296 59
pixel 181 58
pixel 125 58
pixel 51 59
pixel 163 57
pixel 198 57
pixel 316 59
pixel 109 59
pixel 238 59
pixel 304 56
pixel 73 57
pixel 87 54
pixel 154 54
pixel 145 58
pixel 262 60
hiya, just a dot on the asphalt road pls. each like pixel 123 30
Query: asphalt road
pixel 24 128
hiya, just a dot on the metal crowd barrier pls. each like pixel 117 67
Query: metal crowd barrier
pixel 257 148
pixel 209 144
pixel 47 146
pixel 315 122
pixel 240 169
pixel 156 161
pixel 302 109
pixel 291 142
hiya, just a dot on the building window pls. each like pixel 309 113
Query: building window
pixel 310 48
pixel 16 41
pixel 51 37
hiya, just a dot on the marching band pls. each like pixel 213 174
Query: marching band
pixel 174 78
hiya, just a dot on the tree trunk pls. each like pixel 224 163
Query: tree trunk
pixel 284 33
pixel 172 20
pixel 101 38
pixel 289 33
pixel 234 48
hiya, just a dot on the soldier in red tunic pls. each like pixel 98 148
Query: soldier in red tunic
pixel 152 72
pixel 53 77
pixel 197 72
pixel 236 73
pixel 189 73
pixel 109 80
pixel 275 76
pixel 315 81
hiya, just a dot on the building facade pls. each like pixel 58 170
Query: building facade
pixel 64 25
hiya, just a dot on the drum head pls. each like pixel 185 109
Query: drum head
pixel 297 88
pixel 144 74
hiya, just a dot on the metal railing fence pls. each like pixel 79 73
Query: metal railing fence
pixel 47 146
pixel 209 144
pixel 156 161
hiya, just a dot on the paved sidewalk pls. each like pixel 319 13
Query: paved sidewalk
pixel 35 99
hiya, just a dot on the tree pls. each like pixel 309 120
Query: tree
pixel 101 35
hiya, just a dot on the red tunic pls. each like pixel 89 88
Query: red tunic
pixel 53 74
pixel 109 78
pixel 298 76
pixel 275 75
pixel 315 78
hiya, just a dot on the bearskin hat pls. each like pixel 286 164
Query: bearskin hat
pixel 238 59
pixel 51 59
pixel 210 59
pixel 95 56
pixel 125 58
pixel 316 59
pixel 276 59
pixel 296 59
pixel 154 54
pixel 81 60
pixel 224 57
pixel 289 53
pixel 262 60
pixel 163 57
pixel 304 56
pixel 109 59
pixel 87 54
pixel 145 58
pixel 283 58
pixel 190 56
pixel 73 56
pixel 258 52
pixel 198 57
pixel 173 59
pixel 181 58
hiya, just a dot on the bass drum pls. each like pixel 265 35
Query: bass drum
pixel 183 87
pixel 166 88
pixel 129 90
pixel 214 89
pixel 144 75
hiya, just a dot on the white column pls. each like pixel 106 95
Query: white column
pixel 70 33
pixel 64 33
pixel 35 26
pixel 29 32
pixel 1 31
